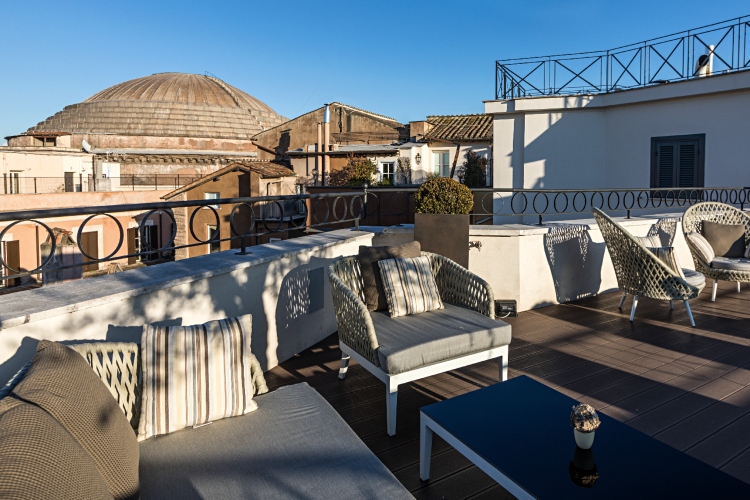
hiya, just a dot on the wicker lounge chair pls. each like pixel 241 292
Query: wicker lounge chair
pixel 731 269
pixel 640 272
pixel 401 350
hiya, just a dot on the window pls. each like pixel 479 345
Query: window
pixel 212 196
pixel 677 161
pixel 213 232
pixel 15 183
pixel 441 163
pixel 45 142
pixel 388 171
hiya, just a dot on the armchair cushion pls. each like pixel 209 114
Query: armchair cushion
pixel 372 283
pixel 694 278
pixel 727 240
pixel 423 339
pixel 409 286
pixel 731 264
pixel 668 257
pixel 701 245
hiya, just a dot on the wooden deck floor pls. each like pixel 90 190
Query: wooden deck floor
pixel 688 387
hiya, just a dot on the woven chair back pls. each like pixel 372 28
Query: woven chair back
pixel 712 211
pixel 638 270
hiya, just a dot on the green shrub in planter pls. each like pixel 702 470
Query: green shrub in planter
pixel 441 195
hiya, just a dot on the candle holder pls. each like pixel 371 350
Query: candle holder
pixel 585 422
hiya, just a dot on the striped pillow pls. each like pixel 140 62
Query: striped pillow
pixel 193 375
pixel 652 241
pixel 702 247
pixel 668 257
pixel 409 286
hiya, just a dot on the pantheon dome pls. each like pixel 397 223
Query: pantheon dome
pixel 165 105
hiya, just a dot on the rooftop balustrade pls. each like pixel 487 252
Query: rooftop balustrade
pixel 713 49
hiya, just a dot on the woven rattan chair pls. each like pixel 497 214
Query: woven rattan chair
pixel 464 294
pixel 640 272
pixel 720 213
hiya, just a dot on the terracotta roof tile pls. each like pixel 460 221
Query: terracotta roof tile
pixel 460 128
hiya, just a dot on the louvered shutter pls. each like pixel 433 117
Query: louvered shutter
pixel 687 164
pixel 666 162
pixel 677 162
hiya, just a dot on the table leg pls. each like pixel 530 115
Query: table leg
pixel 425 447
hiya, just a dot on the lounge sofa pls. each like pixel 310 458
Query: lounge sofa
pixel 294 446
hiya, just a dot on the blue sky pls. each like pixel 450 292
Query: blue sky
pixel 403 59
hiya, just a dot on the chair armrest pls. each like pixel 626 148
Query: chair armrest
pixel 354 322
pixel 460 287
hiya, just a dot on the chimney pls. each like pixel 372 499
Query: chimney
pixel 326 142
pixel 418 129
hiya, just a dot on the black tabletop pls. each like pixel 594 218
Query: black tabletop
pixel 522 428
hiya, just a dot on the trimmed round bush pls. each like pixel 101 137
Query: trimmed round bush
pixel 441 195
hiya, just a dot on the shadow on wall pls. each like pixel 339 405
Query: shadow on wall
pixel 301 311
pixel 575 262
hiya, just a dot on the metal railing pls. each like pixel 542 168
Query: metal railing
pixel 252 217
pixel 87 183
pixel 713 49
pixel 545 203
pixel 248 217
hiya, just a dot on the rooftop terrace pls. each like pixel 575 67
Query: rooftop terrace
pixel 687 387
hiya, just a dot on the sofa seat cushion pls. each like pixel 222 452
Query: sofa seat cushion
pixel 415 341
pixel 294 446
pixel 731 264
pixel 694 278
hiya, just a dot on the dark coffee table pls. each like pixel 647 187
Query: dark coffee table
pixel 518 432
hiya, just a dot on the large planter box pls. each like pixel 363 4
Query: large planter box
pixel 447 235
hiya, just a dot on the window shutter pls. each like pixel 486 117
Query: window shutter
pixel 688 163
pixel 665 164
pixel 131 244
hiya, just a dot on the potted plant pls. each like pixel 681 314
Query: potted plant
pixel 585 422
pixel 441 220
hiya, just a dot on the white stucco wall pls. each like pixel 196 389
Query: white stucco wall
pixel 604 141
pixel 284 286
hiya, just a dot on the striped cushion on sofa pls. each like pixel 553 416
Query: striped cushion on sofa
pixel 193 375
pixel 409 286
pixel 668 257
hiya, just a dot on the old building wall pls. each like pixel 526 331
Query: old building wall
pixel 348 126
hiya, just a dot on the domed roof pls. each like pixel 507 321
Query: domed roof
pixel 167 104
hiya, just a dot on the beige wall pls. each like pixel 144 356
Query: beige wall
pixel 47 164
pixel 604 141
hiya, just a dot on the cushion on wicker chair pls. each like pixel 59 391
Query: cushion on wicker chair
pixel 650 241
pixel 694 278
pixel 372 283
pixel 669 258
pixel 40 459
pixel 409 286
pixel 702 247
pixel 731 264
pixel 423 339
pixel 727 240
pixel 61 382
pixel 193 375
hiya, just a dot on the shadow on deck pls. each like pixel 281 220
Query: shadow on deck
pixel 687 387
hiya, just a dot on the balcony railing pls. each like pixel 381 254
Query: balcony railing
pixel 88 183
pixel 714 49
pixel 251 218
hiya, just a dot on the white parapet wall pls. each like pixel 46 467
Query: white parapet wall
pixel 284 285
pixel 550 264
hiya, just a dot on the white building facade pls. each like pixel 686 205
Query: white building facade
pixel 624 139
